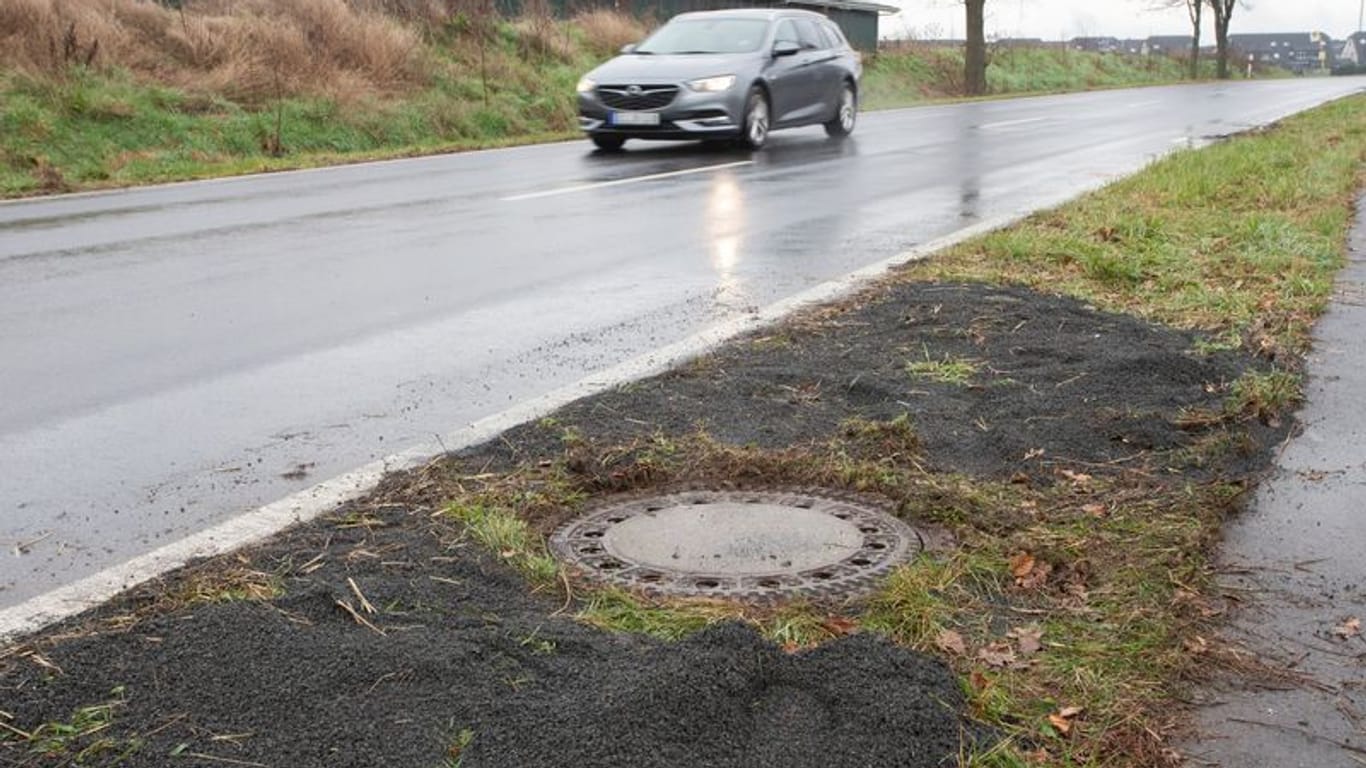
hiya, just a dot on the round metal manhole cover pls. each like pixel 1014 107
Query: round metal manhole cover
pixel 739 544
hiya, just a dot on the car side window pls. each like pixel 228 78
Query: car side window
pixel 808 36
pixel 787 33
pixel 833 36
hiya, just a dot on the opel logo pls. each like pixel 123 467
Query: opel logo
pixel 634 90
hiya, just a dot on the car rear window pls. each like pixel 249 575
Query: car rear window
pixel 689 36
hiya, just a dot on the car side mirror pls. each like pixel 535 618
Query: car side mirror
pixel 785 48
pixel 628 48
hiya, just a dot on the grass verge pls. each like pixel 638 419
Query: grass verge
pixel 120 92
pixel 1074 612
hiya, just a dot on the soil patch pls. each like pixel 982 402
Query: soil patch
pixel 392 634
pixel 1053 382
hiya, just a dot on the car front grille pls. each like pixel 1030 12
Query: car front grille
pixel 636 97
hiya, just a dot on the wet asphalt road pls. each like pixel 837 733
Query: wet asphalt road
pixel 174 356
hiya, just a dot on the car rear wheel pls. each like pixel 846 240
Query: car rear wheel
pixel 843 123
pixel 757 120
pixel 608 143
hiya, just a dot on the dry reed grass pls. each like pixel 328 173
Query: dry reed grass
pixel 605 32
pixel 245 49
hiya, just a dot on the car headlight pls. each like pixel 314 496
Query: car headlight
pixel 585 85
pixel 712 84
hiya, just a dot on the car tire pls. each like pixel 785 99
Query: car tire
pixel 608 143
pixel 845 116
pixel 757 121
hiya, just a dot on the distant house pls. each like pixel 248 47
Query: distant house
pixel 1168 45
pixel 1298 52
pixel 1094 44
pixel 1021 42
pixel 1133 47
pixel 1353 50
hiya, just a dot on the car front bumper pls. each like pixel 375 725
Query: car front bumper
pixel 691 115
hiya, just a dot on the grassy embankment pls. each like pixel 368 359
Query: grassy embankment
pixel 98 94
pixel 1239 241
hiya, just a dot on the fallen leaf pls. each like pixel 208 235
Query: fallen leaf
pixel 1036 576
pixel 1029 639
pixel 997 655
pixel 1061 723
pixel 1348 629
pixel 1070 712
pixel 1094 510
pixel 791 647
pixel 508 554
pixel 1033 453
pixel 1077 478
pixel 951 642
pixel 841 625
pixel 1021 565
pixel 978 681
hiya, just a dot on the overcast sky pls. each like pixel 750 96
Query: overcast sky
pixel 1064 19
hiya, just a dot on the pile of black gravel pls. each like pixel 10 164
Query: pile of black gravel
pixel 726 697
pixel 297 682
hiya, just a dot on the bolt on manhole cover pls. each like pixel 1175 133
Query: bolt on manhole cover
pixel 739 544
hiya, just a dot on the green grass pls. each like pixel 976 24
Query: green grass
pixel 455 753
pixel 924 73
pixel 1240 240
pixel 1264 395
pixel 958 372
pixel 505 534
pixel 83 740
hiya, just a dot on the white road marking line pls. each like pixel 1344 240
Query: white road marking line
pixel 619 182
pixel 264 522
pixel 257 175
pixel 1005 123
pixel 1137 104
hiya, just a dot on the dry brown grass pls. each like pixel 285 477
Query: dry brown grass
pixel 246 49
pixel 605 32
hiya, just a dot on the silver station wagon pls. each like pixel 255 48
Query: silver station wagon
pixel 725 75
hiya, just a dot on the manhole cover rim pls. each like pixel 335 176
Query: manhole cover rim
pixel 891 543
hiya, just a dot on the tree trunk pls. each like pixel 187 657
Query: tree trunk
pixel 1221 40
pixel 975 59
pixel 1223 14
pixel 1196 8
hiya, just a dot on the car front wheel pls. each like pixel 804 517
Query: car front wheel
pixel 608 143
pixel 843 123
pixel 757 120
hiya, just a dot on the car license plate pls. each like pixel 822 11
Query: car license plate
pixel 635 118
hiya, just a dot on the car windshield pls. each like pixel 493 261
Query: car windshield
pixel 686 36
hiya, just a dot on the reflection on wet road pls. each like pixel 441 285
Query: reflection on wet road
pixel 176 355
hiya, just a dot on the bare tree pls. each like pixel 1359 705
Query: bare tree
pixel 1223 14
pixel 975 57
pixel 1195 10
